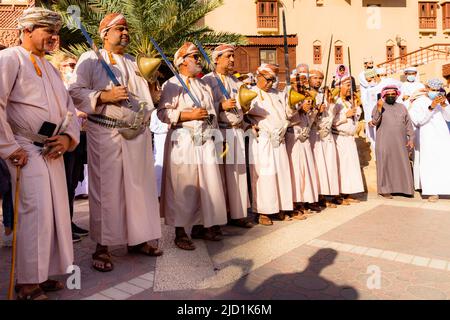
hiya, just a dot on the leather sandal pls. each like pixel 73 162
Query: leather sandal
pixel 242 223
pixel 184 243
pixel 145 249
pixel 104 257
pixel 51 285
pixel 35 294
pixel 265 220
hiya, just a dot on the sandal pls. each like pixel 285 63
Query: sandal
pixel 51 285
pixel 104 257
pixel 145 249
pixel 36 294
pixel 210 235
pixel 242 223
pixel 298 215
pixel 184 243
pixel 265 220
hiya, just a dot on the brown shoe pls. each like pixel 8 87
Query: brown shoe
pixel 433 198
pixel 330 204
pixel 352 200
pixel 183 242
pixel 282 216
pixel 313 207
pixel 298 215
pixel 386 195
pixel 265 220
pixel 242 223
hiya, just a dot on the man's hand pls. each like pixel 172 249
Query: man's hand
pixel 81 115
pixel 116 94
pixel 405 98
pixel 438 100
pixel 56 146
pixel 227 105
pixel 322 108
pixel 307 105
pixel 380 104
pixel 370 123
pixel 198 114
pixel 410 145
pixel 350 113
pixel 19 158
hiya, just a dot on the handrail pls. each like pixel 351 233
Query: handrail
pixel 418 57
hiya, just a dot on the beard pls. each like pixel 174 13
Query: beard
pixel 194 69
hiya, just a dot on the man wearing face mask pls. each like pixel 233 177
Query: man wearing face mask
pixel 192 192
pixel 395 138
pixel 411 85
pixel 123 199
pixel 430 113
pixel 368 65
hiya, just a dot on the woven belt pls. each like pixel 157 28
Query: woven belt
pixel 107 122
pixel 340 133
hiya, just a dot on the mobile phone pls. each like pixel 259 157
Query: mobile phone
pixel 47 129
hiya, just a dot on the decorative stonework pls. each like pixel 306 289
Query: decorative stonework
pixel 9 37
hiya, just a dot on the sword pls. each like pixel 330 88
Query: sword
pixel 219 81
pixel 286 53
pixel 351 82
pixel 94 47
pixel 328 66
pixel 177 75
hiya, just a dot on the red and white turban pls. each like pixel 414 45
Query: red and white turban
pixel 388 88
pixel 220 50
pixel 186 49
pixel 109 21
pixel 268 69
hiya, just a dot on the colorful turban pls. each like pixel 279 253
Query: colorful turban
pixel 38 16
pixel 186 49
pixel 410 69
pixel 268 69
pixel 220 50
pixel 316 70
pixel 109 21
pixel 390 87
pixel 435 84
pixel 370 73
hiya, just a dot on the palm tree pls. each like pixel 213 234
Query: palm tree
pixel 169 22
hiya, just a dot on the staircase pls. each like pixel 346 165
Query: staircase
pixel 433 53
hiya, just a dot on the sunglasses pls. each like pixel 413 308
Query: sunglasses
pixel 195 56
pixel 268 79
pixel 72 65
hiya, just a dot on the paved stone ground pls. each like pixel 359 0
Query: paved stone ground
pixel 378 249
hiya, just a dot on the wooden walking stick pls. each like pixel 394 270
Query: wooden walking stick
pixel 16 218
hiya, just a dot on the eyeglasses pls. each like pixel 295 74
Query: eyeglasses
pixel 195 56
pixel 72 65
pixel 268 79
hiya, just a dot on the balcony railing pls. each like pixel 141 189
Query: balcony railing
pixel 270 22
pixel 427 22
pixel 440 51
